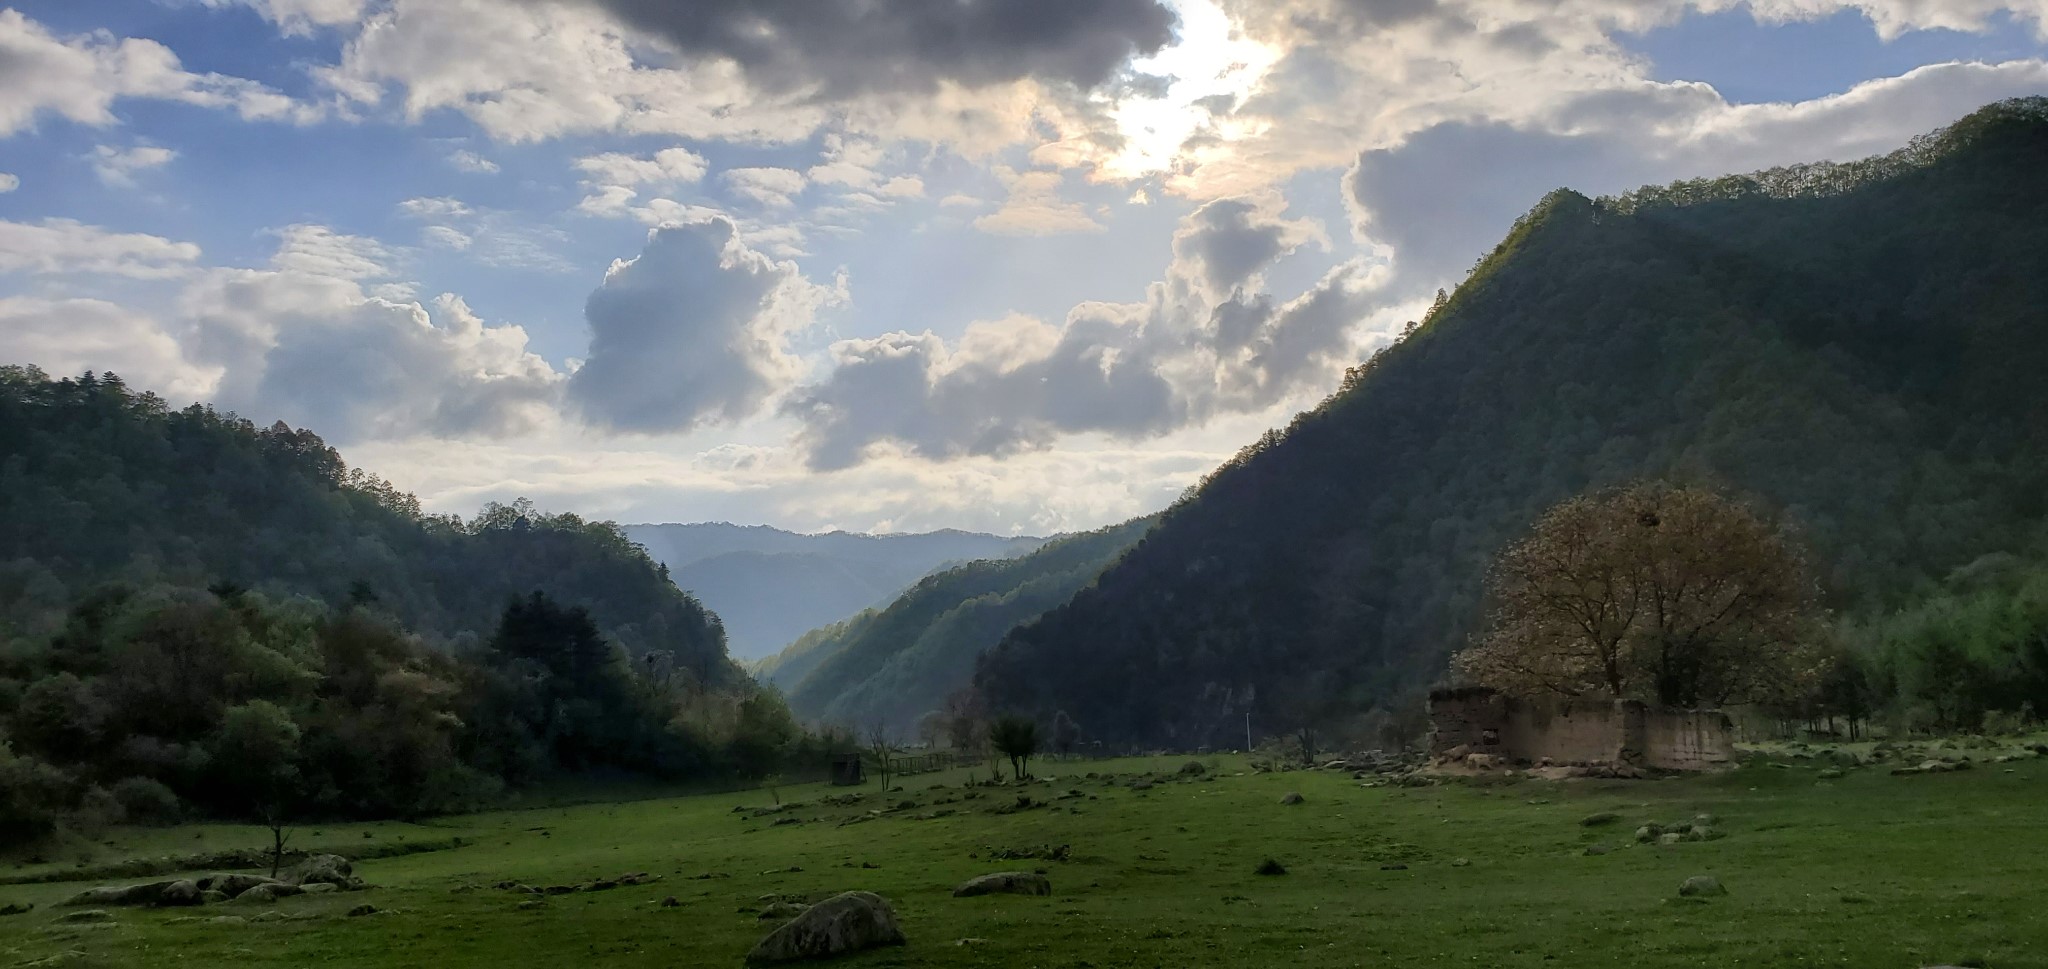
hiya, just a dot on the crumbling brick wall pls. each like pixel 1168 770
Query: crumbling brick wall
pixel 1484 721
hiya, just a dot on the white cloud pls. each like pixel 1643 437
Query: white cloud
pixel 80 78
pixel 301 16
pixel 773 187
pixel 56 246
pixel 465 160
pixel 902 187
pixel 9 182
pixel 446 237
pixel 430 209
pixel 694 331
pixel 70 336
pixel 117 166
pixel 1035 208
pixel 1204 342
pixel 667 167
pixel 320 251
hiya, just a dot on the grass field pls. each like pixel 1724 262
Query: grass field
pixel 1869 871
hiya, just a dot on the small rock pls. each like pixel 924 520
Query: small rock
pixel 1270 867
pixel 1005 883
pixel 1461 862
pixel 783 910
pixel 671 902
pixel 1598 820
pixel 1598 849
pixel 1670 838
pixel 1292 797
pixel 362 910
pixel 319 888
pixel 531 904
pixel 1194 768
pixel 86 917
pixel 1701 886
pixel 228 920
pixel 16 908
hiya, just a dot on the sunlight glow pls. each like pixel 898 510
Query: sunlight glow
pixel 1208 59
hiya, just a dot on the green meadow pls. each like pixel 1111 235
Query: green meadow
pixel 1869 870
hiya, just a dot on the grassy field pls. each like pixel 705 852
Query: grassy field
pixel 1869 871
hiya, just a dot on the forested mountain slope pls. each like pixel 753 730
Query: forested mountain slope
pixel 893 665
pixel 771 586
pixel 1860 348
pixel 99 484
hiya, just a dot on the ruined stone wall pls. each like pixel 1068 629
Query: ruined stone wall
pixel 1578 731
pixel 1689 740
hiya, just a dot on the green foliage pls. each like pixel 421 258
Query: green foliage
pixel 899 664
pixel 98 483
pixel 1016 738
pixel 1862 358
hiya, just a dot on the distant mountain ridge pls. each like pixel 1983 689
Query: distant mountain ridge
pixel 893 665
pixel 770 586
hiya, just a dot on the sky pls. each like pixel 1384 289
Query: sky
pixel 1020 266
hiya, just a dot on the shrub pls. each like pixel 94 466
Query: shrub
pixel 145 801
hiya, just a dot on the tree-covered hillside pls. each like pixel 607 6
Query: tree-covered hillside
pixel 1858 348
pixel 893 665
pixel 98 483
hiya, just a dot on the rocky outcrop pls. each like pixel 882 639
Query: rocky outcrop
pixel 844 923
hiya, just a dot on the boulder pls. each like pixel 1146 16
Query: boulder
pixel 179 894
pixel 322 869
pixel 212 897
pixel 266 894
pixel 131 895
pixel 1292 797
pixel 232 885
pixel 844 923
pixel 1701 886
pixel 1005 883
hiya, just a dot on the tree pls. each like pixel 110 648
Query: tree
pixel 881 751
pixel 1016 738
pixel 1667 594
pixel 1065 733
pixel 257 752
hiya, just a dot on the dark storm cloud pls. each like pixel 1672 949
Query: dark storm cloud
pixel 849 47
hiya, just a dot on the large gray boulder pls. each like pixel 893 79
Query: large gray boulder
pixel 1005 883
pixel 266 894
pixel 323 870
pixel 181 894
pixel 838 925
pixel 232 885
pixel 152 893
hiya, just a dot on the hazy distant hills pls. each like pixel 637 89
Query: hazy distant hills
pixel 1859 348
pixel 771 586
pixel 893 665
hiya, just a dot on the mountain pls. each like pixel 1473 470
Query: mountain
pixel 99 484
pixel 893 665
pixel 770 586
pixel 1856 348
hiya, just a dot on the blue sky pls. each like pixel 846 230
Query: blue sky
pixel 642 265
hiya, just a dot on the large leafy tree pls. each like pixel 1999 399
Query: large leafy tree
pixel 1670 594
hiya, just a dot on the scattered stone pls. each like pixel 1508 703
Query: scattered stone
pixel 1005 883
pixel 1599 820
pixel 1141 785
pixel 1292 797
pixel 1270 867
pixel 783 910
pixel 1830 774
pixel 531 904
pixel 1598 849
pixel 152 893
pixel 1193 768
pixel 1461 862
pixel 211 897
pixel 320 888
pixel 1670 838
pixel 266 894
pixel 671 902
pixel 86 917
pixel 228 920
pixel 323 869
pixel 362 910
pixel 16 908
pixel 844 923
pixel 233 885
pixel 1394 866
pixel 968 942
pixel 1701 886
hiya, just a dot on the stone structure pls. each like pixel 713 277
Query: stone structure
pixel 846 770
pixel 1477 720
